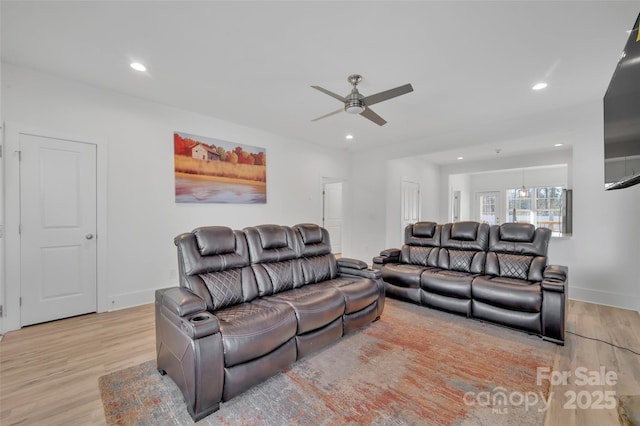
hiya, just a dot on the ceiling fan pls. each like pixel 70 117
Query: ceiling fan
pixel 355 103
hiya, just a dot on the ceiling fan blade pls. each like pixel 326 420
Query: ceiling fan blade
pixel 367 113
pixel 328 115
pixel 387 94
pixel 333 95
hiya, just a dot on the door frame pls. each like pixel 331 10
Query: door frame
pixel 12 290
pixel 419 204
pixel 324 199
pixel 500 205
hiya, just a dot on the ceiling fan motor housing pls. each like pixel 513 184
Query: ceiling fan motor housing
pixel 354 104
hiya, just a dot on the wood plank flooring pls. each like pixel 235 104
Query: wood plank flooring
pixel 49 372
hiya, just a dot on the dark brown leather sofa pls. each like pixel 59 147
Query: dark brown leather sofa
pixel 252 302
pixel 493 273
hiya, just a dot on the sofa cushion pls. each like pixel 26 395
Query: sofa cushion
pixel 310 233
pixel 508 293
pixel 358 292
pixel 318 268
pixel 403 274
pixel 465 236
pixel 425 234
pixel 271 243
pixel 250 330
pixel 419 255
pixel 314 306
pixel 448 283
pixel 312 240
pixel 464 231
pixel 200 251
pixel 514 266
pixel 518 238
pixel 517 232
pixel 274 277
pixel 215 240
pixel 470 261
pixel 424 229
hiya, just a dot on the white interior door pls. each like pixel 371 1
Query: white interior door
pixel 58 228
pixel 410 205
pixel 488 207
pixel 332 214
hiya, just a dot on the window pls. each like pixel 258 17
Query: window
pixel 542 207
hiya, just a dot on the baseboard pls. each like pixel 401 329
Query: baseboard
pixel 607 298
pixel 129 300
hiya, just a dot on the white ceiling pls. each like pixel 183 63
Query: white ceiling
pixel 471 64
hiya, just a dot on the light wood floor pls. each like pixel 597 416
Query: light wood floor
pixel 49 372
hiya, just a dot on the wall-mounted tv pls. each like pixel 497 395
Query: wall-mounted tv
pixel 622 118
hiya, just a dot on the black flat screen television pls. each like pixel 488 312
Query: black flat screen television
pixel 622 118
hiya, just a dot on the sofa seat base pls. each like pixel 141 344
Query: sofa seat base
pixel 361 318
pixel 447 283
pixel 251 330
pixel 446 303
pixel 241 377
pixel 358 293
pixel 402 293
pixel 508 293
pixel 403 275
pixel 315 306
pixel 528 321
pixel 316 339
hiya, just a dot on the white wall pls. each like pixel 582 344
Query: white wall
pixel 456 182
pixel 142 217
pixel 502 180
pixel 604 250
pixel 414 170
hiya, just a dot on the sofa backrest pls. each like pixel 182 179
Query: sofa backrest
pixel 274 252
pixel 463 246
pixel 421 244
pixel 317 262
pixel 213 263
pixel 517 250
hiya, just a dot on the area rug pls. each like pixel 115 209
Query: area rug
pixel 414 366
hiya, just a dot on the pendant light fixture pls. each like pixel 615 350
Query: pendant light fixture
pixel 523 192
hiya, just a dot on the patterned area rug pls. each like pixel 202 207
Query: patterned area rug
pixel 413 366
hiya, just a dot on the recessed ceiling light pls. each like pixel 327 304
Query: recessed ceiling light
pixel 138 66
pixel 349 137
pixel 558 144
pixel 460 158
pixel 539 86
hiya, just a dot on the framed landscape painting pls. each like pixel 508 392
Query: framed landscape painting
pixel 213 171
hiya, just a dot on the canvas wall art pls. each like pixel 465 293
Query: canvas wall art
pixel 214 171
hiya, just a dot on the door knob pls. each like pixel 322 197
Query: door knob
pixel 89 236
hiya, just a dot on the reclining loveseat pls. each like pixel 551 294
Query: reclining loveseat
pixel 495 273
pixel 252 302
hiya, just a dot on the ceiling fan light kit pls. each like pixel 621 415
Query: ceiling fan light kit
pixel 355 103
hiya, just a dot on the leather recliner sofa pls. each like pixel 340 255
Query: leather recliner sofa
pixel 493 273
pixel 252 302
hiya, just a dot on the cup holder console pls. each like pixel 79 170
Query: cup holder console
pixel 199 318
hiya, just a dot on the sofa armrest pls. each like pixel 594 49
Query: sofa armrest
pixel 554 303
pixel 189 349
pixel 392 253
pixel 345 262
pixel 187 311
pixel 181 301
pixel 553 284
pixel 555 272
pixel 386 256
pixel 373 274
